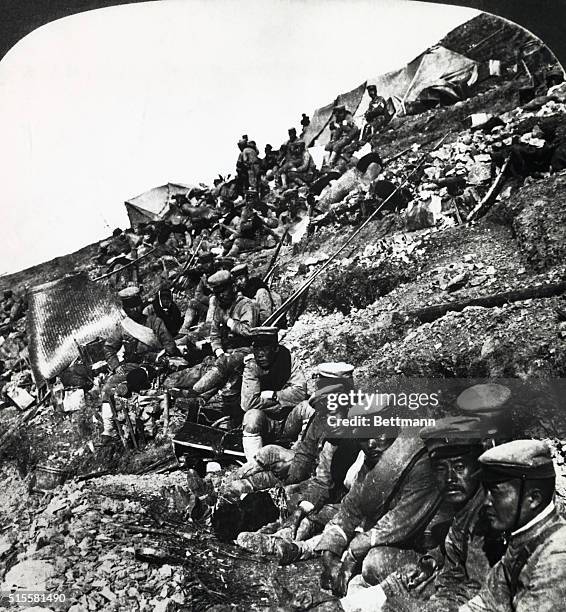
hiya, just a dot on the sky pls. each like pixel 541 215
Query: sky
pixel 99 107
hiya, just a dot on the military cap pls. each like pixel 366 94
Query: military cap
pixel 130 296
pixel 523 459
pixel 340 109
pixel 482 399
pixel 206 257
pixel 220 279
pixel 239 270
pixel 264 335
pixel 453 436
pixel 337 369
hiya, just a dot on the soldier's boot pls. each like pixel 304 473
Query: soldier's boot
pixel 287 552
pixel 252 442
pixel 213 379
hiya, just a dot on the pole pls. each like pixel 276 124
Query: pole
pixel 276 316
pixel 126 266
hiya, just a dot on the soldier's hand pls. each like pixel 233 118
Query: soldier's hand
pixel 425 568
pixel 331 568
pixel 295 521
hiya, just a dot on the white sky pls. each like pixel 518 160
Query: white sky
pixel 101 106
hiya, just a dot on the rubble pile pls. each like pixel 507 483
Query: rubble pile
pixel 112 546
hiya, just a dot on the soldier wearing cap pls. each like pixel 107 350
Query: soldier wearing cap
pixel 273 383
pixel 256 289
pixel 395 504
pixel 143 337
pixel 377 114
pixel 344 134
pixel 472 546
pixel 343 463
pixel 253 230
pixel 299 168
pixel 198 307
pixel 519 479
pixel 248 165
pixel 274 463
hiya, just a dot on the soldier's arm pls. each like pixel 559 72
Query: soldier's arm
pixel 264 304
pixel 247 319
pixel 306 453
pixel 317 489
pixel 215 335
pixel 453 588
pixel 295 389
pixel 494 595
pixel 111 347
pixel 250 396
pixel 546 590
pixel 417 500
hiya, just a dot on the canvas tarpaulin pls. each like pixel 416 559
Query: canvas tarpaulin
pixel 154 204
pixel 318 132
pixel 63 314
pixel 435 65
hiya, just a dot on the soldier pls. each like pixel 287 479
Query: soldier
pixel 253 228
pixel 377 114
pixel 143 337
pixel 233 318
pixel 200 302
pixel 345 132
pixel 471 546
pixel 317 499
pixel 519 479
pixel 272 384
pixel 273 463
pixel 300 169
pixel 395 505
pixel 256 289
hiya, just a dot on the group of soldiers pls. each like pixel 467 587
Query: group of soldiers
pixel 453 517
pixel 294 166
pixel 456 516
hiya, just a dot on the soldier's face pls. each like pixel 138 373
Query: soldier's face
pixel 134 312
pixel 225 296
pixel 240 282
pixel 502 505
pixel 265 355
pixel 457 478
pixel 375 447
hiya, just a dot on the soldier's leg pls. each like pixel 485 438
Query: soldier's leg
pixel 381 561
pixel 297 420
pixel 256 427
pixel 185 379
pixel 114 385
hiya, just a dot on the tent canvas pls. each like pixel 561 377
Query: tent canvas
pixel 318 132
pixel 154 204
pixel 435 65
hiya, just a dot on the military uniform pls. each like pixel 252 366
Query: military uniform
pixel 142 342
pixel 531 576
pixel 230 338
pixel 268 396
